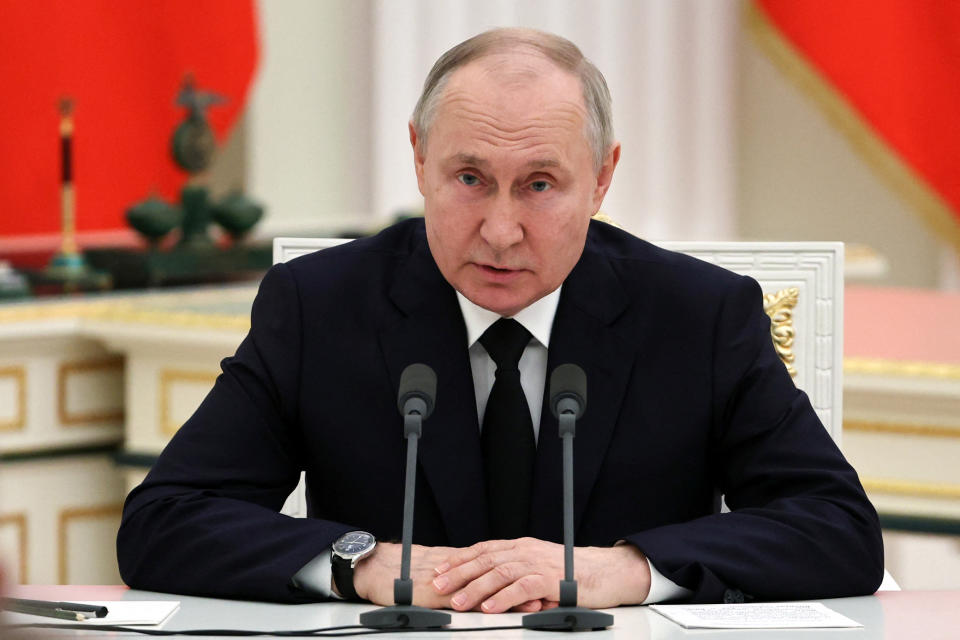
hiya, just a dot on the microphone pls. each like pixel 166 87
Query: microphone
pixel 418 390
pixel 415 400
pixel 568 390
pixel 568 402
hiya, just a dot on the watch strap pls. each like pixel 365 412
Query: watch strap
pixel 342 571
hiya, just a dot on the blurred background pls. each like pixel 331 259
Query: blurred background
pixel 136 219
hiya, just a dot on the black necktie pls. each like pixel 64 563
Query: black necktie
pixel 507 436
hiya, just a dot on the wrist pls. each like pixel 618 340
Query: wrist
pixel 347 554
pixel 636 573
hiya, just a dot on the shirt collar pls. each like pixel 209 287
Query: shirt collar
pixel 537 318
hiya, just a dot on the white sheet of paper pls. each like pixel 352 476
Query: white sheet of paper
pixel 761 615
pixel 125 612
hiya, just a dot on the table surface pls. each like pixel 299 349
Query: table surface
pixel 889 615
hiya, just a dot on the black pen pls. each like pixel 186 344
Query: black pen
pixel 61 610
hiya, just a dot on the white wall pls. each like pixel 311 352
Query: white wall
pixel 308 121
pixel 327 124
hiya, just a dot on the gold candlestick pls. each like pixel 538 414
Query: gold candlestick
pixel 68 228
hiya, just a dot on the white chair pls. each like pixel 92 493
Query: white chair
pixel 802 283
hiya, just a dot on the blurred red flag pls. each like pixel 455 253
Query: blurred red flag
pixel 896 64
pixel 122 63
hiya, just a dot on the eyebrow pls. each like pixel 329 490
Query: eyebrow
pixel 467 158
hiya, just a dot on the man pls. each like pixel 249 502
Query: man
pixel 514 152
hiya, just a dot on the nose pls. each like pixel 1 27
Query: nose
pixel 502 224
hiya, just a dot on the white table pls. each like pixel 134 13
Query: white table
pixel 891 615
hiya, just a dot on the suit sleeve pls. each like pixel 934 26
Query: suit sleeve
pixel 206 519
pixel 800 524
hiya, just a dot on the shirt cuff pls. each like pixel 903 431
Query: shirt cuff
pixel 663 588
pixel 316 577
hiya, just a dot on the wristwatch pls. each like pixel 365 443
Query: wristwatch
pixel 347 551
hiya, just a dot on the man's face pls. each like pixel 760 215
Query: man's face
pixel 508 180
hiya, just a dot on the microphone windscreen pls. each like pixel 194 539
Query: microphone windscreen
pixel 418 381
pixel 568 381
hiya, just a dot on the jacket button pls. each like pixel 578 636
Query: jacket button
pixel 732 596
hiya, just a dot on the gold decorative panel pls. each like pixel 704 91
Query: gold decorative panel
pixel 19 376
pixel 902 428
pixel 19 522
pixel 910 488
pixel 170 378
pixel 67 369
pixel 779 306
pixel 68 516
pixel 900 368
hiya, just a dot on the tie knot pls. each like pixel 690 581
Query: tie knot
pixel 505 341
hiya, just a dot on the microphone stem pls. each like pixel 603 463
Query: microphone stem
pixel 567 427
pixel 412 428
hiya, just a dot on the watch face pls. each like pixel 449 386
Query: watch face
pixel 353 543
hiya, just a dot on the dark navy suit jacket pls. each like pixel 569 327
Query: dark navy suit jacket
pixel 687 401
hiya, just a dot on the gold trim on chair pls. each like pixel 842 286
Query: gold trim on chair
pixel 19 520
pixel 779 306
pixel 169 377
pixel 67 369
pixel 78 513
pixel 19 375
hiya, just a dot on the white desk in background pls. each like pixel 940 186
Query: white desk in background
pixel 889 615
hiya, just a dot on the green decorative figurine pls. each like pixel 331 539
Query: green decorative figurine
pixel 195 258
pixel 192 147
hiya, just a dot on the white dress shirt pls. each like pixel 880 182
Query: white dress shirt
pixel 537 318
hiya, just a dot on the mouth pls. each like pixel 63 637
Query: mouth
pixel 497 273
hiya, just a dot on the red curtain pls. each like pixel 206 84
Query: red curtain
pixel 122 62
pixel 897 64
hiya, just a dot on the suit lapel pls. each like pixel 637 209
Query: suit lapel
pixel 584 334
pixel 431 331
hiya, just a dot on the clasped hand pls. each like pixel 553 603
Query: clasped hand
pixel 506 575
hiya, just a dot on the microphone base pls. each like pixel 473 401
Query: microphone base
pixel 404 617
pixel 568 619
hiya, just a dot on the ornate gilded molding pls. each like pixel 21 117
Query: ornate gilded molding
pixel 910 488
pixel 122 311
pixel 901 368
pixel 64 519
pixel 19 520
pixel 19 375
pixel 65 370
pixel 169 377
pixel 779 306
pixel 902 428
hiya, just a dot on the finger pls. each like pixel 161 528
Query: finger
pixel 527 588
pixel 497 577
pixel 549 604
pixel 460 576
pixel 528 607
pixel 467 554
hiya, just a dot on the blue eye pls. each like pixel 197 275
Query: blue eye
pixel 468 179
pixel 540 186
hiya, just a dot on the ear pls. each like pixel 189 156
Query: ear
pixel 605 175
pixel 417 156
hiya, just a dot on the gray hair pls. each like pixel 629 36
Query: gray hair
pixel 565 54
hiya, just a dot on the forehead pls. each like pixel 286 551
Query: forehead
pixel 511 100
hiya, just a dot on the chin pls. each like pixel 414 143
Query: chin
pixel 495 303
